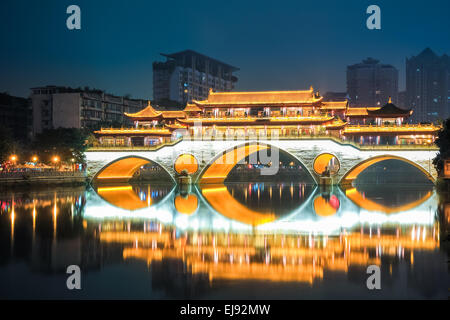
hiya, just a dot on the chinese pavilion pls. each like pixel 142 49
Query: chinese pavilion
pixel 284 113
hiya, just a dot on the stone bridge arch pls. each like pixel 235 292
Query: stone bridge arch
pixel 354 172
pixel 122 169
pixel 219 166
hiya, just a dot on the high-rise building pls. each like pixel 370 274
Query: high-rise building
pixel 370 84
pixel 402 103
pixel 335 96
pixel 56 106
pixel 428 85
pixel 188 75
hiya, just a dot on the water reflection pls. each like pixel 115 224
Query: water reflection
pixel 217 240
pixel 133 197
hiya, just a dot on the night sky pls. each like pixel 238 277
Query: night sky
pixel 276 44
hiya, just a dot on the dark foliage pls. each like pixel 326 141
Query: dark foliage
pixel 67 143
pixel 443 142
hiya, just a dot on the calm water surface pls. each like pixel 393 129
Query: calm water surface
pixel 242 240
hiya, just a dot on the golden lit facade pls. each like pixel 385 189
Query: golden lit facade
pixel 285 114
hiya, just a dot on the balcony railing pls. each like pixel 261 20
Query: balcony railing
pixel 253 137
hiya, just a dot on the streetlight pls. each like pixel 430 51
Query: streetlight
pixel 34 159
pixel 13 159
pixel 55 160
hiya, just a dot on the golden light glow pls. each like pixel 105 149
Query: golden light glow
pixel 322 161
pixel 55 159
pixel 221 167
pixel 403 129
pixel 186 205
pixel 34 159
pixel 122 197
pixel 291 258
pixel 224 203
pixel 148 112
pixel 355 171
pixel 13 158
pixel 259 97
pixel 354 195
pixel 127 131
pixel 122 168
pixel 186 162
pixel 323 208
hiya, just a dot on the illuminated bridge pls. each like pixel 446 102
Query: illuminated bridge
pixel 211 161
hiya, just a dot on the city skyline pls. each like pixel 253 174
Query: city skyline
pixel 116 55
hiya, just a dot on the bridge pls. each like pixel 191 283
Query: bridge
pixel 210 161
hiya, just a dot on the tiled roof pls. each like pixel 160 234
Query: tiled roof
pixel 334 105
pixel 390 109
pixel 148 112
pixel 259 98
pixel 173 114
pixel 192 108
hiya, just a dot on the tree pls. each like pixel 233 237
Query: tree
pixel 7 145
pixel 67 143
pixel 443 142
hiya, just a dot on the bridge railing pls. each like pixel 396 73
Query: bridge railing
pixel 134 148
pixel 268 138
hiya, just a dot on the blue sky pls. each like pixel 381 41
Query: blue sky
pixel 276 44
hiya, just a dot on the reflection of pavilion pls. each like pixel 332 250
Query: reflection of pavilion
pixel 270 257
pixel 185 239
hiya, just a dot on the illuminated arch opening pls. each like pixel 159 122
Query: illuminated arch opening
pixel 326 161
pixel 354 172
pixel 221 165
pixel 186 162
pixel 123 169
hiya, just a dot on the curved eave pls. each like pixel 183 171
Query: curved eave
pixel 140 115
pixel 208 104
pixel 175 126
pixel 336 126
pixel 133 132
pixel 386 115
pixel 191 121
pixel 389 133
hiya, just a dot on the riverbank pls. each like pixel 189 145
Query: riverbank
pixel 49 178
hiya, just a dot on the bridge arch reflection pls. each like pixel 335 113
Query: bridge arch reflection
pixel 217 208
